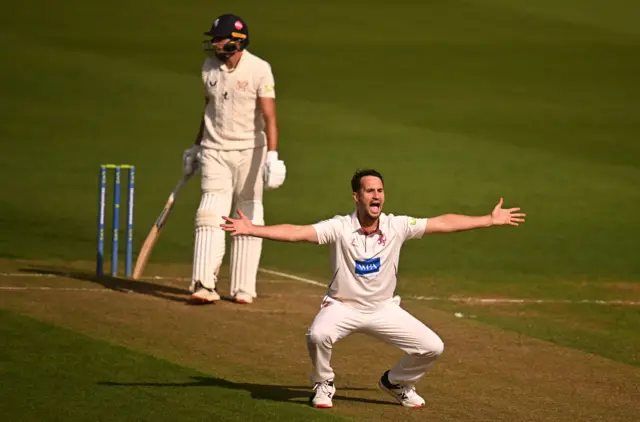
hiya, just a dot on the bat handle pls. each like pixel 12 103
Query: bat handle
pixel 179 186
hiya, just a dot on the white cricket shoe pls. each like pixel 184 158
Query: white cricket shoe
pixel 243 298
pixel 203 296
pixel 323 393
pixel 405 395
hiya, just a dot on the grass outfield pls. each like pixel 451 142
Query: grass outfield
pixel 457 103
pixel 475 100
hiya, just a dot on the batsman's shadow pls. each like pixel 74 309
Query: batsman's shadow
pixel 280 393
pixel 117 284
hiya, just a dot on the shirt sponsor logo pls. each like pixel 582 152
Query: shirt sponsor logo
pixel 368 266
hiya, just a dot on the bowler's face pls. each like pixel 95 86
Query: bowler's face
pixel 370 197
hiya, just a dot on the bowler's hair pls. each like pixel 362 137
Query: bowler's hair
pixel 359 174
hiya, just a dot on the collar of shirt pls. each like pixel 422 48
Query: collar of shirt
pixel 227 70
pixel 357 228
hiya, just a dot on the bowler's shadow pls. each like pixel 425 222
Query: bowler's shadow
pixel 119 284
pixel 280 393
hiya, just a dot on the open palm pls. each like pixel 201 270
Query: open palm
pixel 237 226
pixel 502 216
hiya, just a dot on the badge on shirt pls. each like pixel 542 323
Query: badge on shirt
pixel 368 266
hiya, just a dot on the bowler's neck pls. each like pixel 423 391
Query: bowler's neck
pixel 369 225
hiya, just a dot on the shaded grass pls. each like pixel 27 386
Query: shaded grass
pixel 57 374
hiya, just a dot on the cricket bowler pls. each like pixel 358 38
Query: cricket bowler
pixel 365 250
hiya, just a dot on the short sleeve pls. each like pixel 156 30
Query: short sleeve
pixel 328 231
pixel 266 83
pixel 411 227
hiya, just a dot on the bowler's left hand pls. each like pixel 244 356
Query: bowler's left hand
pixel 501 216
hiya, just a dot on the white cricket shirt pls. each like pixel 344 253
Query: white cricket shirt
pixel 232 118
pixel 365 266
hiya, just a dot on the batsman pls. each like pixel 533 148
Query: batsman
pixel 236 151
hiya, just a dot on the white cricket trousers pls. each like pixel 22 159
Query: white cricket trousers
pixel 390 323
pixel 231 181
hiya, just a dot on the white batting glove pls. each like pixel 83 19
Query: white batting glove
pixel 274 171
pixel 191 160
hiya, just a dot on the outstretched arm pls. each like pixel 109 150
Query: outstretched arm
pixel 448 223
pixel 281 232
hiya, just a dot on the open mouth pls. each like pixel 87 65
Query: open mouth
pixel 375 207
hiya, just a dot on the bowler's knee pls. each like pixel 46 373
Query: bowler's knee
pixel 319 336
pixel 431 346
pixel 437 348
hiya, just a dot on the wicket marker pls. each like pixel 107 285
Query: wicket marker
pixel 102 204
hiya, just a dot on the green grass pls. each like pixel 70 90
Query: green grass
pixel 457 103
pixel 480 101
pixel 55 374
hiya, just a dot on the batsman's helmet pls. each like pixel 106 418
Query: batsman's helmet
pixel 232 27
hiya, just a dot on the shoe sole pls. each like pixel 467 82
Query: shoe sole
pixel 392 394
pixel 323 406
pixel 195 300
pixel 243 302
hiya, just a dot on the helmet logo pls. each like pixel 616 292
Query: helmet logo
pixel 238 25
pixel 215 24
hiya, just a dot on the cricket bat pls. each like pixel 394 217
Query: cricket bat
pixel 152 237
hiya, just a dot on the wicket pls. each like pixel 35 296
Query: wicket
pixel 116 218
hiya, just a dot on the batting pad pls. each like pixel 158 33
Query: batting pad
pixel 245 252
pixel 209 245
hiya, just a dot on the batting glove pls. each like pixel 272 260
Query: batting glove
pixel 191 160
pixel 274 171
